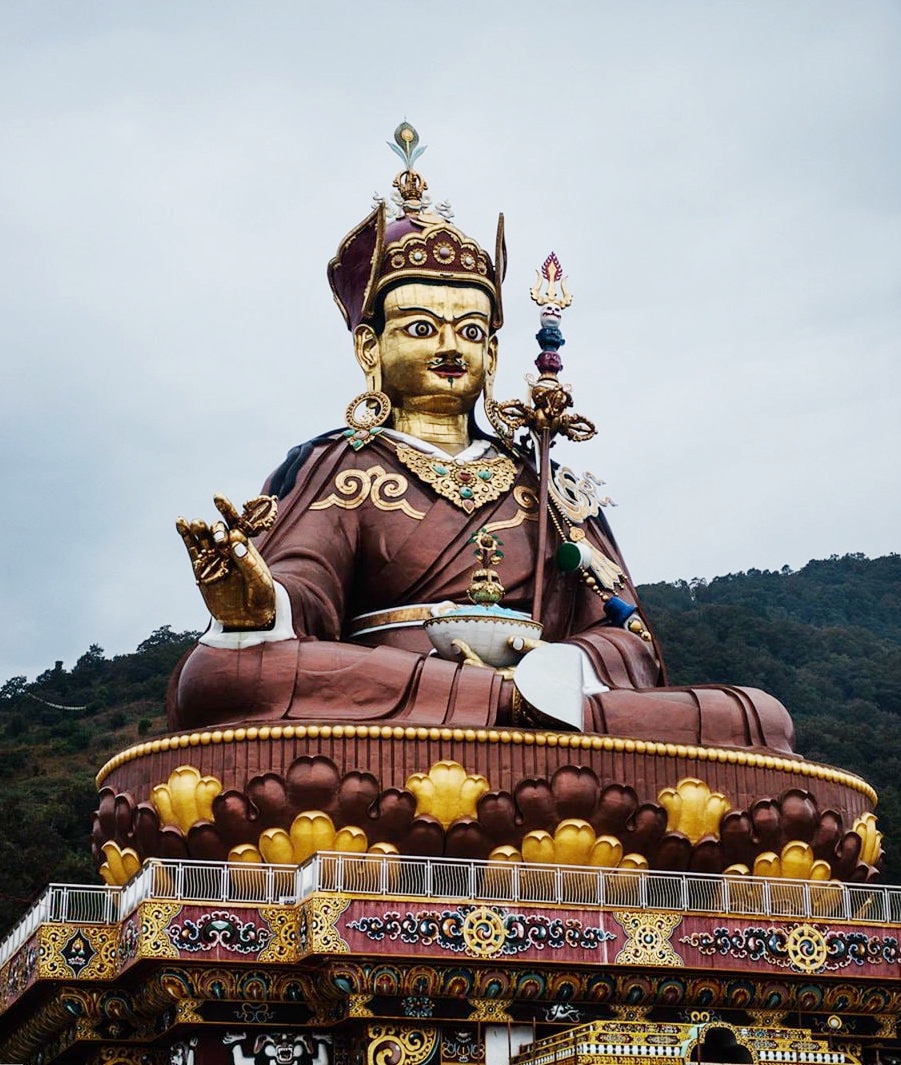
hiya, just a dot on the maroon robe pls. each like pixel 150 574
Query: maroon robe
pixel 359 532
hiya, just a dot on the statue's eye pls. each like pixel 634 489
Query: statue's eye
pixel 420 329
pixel 473 332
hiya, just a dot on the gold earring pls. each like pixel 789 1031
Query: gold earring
pixel 365 415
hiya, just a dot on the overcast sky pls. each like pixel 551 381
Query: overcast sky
pixel 719 179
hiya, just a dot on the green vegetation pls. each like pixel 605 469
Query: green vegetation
pixel 826 640
pixel 55 733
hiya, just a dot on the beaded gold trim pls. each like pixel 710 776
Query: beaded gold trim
pixel 576 740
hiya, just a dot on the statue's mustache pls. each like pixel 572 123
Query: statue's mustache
pixel 446 360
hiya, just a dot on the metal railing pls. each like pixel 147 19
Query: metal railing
pixel 64 904
pixel 456 880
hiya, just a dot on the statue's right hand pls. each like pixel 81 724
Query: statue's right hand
pixel 234 581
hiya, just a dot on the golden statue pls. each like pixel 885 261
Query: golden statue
pixel 319 611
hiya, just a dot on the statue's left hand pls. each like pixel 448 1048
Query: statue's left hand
pixel 519 643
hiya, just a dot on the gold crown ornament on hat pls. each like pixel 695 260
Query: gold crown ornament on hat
pixel 416 244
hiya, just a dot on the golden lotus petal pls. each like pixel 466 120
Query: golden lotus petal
pixel 447 792
pixel 245 852
pixel 633 861
pixel 820 870
pixel 607 852
pixel 351 840
pixel 573 842
pixel 693 809
pixel 383 848
pixel 870 838
pixel 738 869
pixel 207 789
pixel 311 831
pixel 538 847
pixel 185 798
pixel 276 847
pixel 506 853
pixel 162 802
pixel 767 864
pixel 796 860
pixel 121 863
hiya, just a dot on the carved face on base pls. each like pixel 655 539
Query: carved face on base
pixel 434 354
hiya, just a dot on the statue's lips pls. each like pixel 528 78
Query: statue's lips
pixel 449 369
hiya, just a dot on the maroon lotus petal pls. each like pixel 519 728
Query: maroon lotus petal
pixel 846 857
pixel 104 815
pixel 706 856
pixel 674 853
pixel 312 783
pixel 98 836
pixel 114 814
pixel 800 816
pixel 357 793
pixel 645 830
pixel 205 843
pixel 426 838
pixel 737 839
pixel 236 818
pixel 536 804
pixel 867 874
pixel 828 834
pixel 269 795
pixel 392 818
pixel 173 843
pixel 147 830
pixel 466 838
pixel 616 807
pixel 576 790
pixel 497 816
pixel 767 821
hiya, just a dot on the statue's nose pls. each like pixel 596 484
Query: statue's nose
pixel 447 338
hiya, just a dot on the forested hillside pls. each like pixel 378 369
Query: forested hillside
pixel 825 639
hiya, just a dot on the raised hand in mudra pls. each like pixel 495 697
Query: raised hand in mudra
pixel 234 581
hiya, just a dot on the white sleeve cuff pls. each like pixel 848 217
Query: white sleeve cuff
pixel 591 682
pixel 283 629
pixel 554 678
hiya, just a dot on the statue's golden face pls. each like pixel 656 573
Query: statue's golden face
pixel 435 351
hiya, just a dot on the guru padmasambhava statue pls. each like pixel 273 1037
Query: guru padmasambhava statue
pixel 322 617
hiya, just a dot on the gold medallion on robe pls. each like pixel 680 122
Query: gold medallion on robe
pixel 467 485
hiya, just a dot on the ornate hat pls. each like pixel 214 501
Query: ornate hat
pixel 417 244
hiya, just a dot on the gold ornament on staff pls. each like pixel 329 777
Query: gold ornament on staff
pixel 546 413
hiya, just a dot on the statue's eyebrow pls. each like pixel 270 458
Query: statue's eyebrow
pixel 431 314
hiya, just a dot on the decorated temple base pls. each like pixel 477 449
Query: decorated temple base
pixel 392 960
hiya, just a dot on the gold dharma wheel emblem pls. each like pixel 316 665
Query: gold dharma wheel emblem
pixel 484 932
pixel 806 948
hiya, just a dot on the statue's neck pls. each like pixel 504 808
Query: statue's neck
pixel 450 432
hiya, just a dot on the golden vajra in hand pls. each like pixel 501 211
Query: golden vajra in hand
pixel 234 581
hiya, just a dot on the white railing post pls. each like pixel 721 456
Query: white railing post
pixel 429 881
pixel 383 876
pixel 727 898
pixel 683 891
pixel 514 881
pixel 808 905
pixel 766 898
pixel 471 879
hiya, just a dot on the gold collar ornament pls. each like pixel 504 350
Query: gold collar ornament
pixel 468 485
